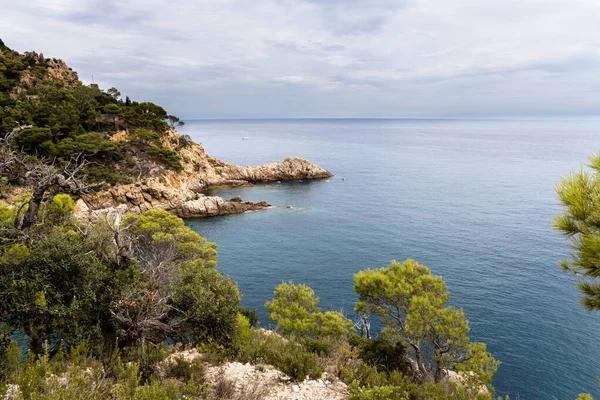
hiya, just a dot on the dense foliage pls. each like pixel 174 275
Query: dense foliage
pixel 50 114
pixel 139 281
pixel 411 302
pixel 579 193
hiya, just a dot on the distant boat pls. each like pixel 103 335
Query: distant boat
pixel 245 138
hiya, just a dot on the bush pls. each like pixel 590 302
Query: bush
pixel 381 353
pixel 288 356
pixel 252 316
pixel 405 389
pixel 365 375
pixel 10 356
pixel 169 158
pixel 210 302
pixel 74 375
pixel 59 210
pixel 185 370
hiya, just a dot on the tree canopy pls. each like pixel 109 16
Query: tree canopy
pixel 140 280
pixel 295 310
pixel 58 119
pixel 579 193
pixel 411 302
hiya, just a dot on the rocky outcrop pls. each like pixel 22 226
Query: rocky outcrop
pixel 267 383
pixel 289 169
pixel 211 206
pixel 249 381
pixel 181 193
pixel 52 70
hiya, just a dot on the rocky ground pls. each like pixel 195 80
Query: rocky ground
pixel 254 382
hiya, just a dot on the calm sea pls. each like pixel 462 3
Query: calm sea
pixel 473 200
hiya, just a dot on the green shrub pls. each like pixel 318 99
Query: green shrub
pixel 381 353
pixel 59 210
pixel 408 390
pixel 75 375
pixel 169 158
pixel 288 356
pixel 252 316
pixel 184 370
pixel 319 347
pixel 379 393
pixel 365 375
pixel 242 336
pixel 144 136
pixel 10 356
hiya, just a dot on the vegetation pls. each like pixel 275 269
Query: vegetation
pixel 294 310
pixel 579 193
pixel 412 304
pixel 97 302
pixel 139 281
pixel 59 119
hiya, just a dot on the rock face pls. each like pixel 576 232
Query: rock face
pixel 289 169
pixel 55 71
pixel 180 193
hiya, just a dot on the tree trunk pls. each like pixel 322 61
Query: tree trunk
pixel 420 363
pixel 33 206
pixel 35 342
pixel 439 373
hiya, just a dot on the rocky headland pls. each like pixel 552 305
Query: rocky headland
pixel 181 193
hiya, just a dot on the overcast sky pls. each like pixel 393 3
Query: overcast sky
pixel 326 58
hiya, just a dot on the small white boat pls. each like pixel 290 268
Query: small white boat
pixel 245 138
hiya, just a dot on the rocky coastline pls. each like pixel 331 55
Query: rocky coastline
pixel 181 193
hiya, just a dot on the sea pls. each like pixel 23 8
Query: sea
pixel 471 199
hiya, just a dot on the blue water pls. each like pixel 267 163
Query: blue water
pixel 473 200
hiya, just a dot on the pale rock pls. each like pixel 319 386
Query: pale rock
pixel 179 194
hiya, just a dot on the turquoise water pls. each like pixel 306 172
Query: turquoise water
pixel 473 200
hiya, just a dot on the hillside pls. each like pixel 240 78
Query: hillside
pixel 131 156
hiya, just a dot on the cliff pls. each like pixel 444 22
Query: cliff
pixel 181 192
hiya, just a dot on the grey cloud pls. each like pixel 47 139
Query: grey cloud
pixel 334 47
pixel 329 58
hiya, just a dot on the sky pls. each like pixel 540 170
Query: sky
pixel 326 58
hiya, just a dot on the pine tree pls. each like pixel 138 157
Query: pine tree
pixel 579 193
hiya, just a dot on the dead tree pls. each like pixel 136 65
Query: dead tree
pixel 45 180
pixel 363 325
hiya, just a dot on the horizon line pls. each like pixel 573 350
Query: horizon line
pixel 505 118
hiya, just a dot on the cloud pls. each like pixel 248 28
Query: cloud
pixel 326 58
